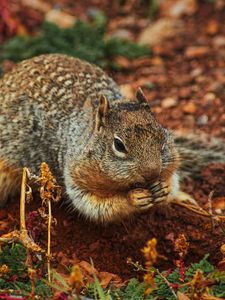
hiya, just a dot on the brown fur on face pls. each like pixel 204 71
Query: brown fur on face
pixel 102 172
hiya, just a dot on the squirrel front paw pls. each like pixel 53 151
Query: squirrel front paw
pixel 146 198
pixel 141 198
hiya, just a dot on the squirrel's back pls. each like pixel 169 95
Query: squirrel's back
pixel 37 97
pixel 67 80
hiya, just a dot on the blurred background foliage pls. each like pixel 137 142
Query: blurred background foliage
pixel 86 40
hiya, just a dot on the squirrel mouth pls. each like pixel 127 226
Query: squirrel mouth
pixel 137 185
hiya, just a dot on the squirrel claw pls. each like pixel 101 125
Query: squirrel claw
pixel 141 198
pixel 146 198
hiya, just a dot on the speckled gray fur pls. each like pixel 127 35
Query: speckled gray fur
pixel 37 122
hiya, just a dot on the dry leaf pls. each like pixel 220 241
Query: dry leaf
pixel 182 296
pixel 107 278
pixel 219 203
pixel 88 268
pixel 210 297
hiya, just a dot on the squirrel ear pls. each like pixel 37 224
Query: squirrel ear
pixel 140 96
pixel 102 110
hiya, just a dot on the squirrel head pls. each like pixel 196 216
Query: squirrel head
pixel 128 148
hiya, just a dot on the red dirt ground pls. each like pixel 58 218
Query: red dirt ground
pixel 198 86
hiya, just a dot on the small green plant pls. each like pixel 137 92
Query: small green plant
pixel 200 278
pixel 14 272
pixel 84 40
pixel 136 290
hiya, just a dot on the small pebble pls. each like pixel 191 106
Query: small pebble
pixel 202 120
pixel 169 102
pixel 190 108
pixel 216 87
pixel 209 97
pixel 196 51
pixel 219 41
pixel 212 27
pixel 60 18
pixel 157 110
pixel 196 72
pixel 122 34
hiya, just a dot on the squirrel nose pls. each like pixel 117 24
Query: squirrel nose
pixel 151 174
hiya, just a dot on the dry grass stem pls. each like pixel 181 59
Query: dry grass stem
pixel 23 200
pixel 167 283
pixel 49 191
pixel 49 240
pixel 21 236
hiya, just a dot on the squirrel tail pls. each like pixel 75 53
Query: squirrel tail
pixel 197 152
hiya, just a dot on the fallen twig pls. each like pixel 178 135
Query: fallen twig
pixel 198 210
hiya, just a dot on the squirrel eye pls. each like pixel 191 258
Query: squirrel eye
pixel 119 146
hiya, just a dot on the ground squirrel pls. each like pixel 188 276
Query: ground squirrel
pixel 110 154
